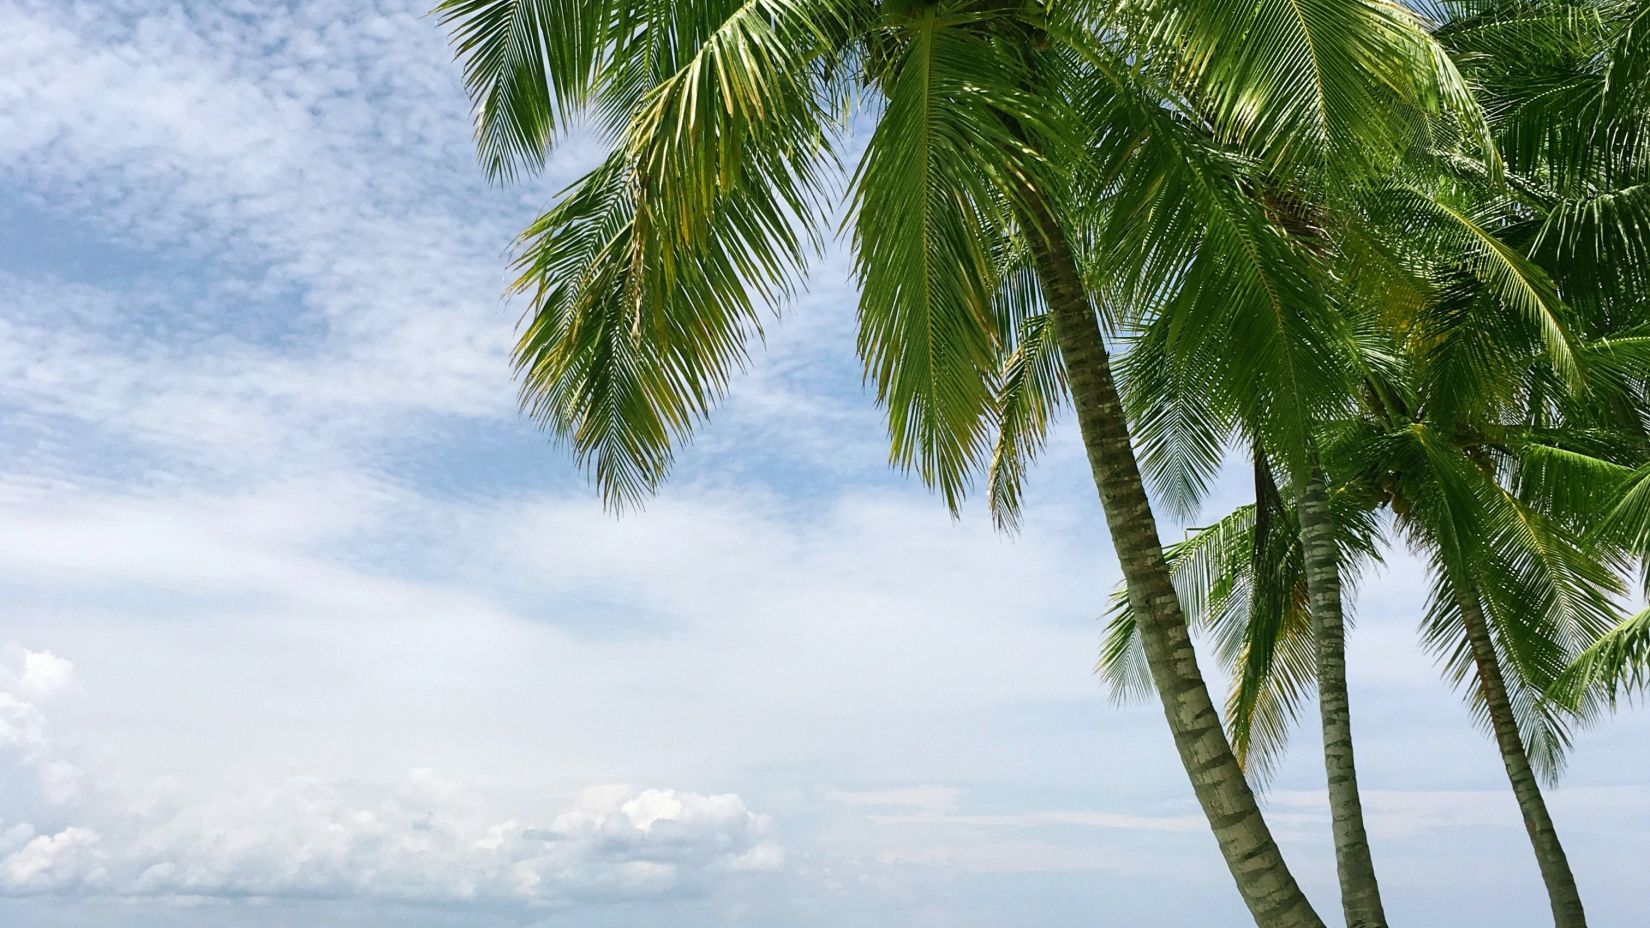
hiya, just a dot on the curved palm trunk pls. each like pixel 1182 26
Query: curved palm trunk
pixel 1360 894
pixel 1549 853
pixel 1263 878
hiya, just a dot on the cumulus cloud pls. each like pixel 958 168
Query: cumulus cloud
pixel 34 675
pixel 69 859
pixel 423 839
pixel 26 743
pixel 44 674
pixel 309 839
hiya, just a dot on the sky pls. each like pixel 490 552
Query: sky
pixel 302 623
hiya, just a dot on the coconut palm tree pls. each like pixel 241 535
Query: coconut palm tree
pixel 974 241
pixel 1226 267
pixel 1504 412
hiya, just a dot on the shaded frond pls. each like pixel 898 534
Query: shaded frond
pixel 1031 388
pixel 1432 223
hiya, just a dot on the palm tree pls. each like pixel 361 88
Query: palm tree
pixel 1504 410
pixel 1225 264
pixel 973 232
pixel 1568 93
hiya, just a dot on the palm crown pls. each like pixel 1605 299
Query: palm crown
pixel 652 274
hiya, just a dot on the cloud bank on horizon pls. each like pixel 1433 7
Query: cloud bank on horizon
pixel 300 622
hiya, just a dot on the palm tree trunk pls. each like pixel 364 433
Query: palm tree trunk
pixel 1360 894
pixel 1549 853
pixel 1257 865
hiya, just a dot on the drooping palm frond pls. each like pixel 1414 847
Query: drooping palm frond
pixel 1225 278
pixel 947 154
pixel 742 116
pixel 1626 91
pixel 1209 575
pixel 1031 388
pixel 1544 593
pixel 1569 484
pixel 1271 651
pixel 1599 242
pixel 1181 421
pixel 648 278
pixel 529 66
pixel 1545 729
pixel 603 365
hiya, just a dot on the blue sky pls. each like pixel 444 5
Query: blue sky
pixel 301 623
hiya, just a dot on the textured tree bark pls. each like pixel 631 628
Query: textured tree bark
pixel 1549 853
pixel 1360 893
pixel 1257 865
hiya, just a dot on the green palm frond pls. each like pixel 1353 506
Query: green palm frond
pixel 929 207
pixel 1309 81
pixel 1545 593
pixel 1268 646
pixel 648 278
pixel 603 365
pixel 1227 265
pixel 1617 663
pixel 1545 729
pixel 529 65
pixel 1031 388
pixel 1570 484
pixel 1209 571
pixel 1178 419
pixel 741 117
pixel 1627 520
pixel 1432 224
pixel 1242 582
pixel 1627 76
pixel 1602 240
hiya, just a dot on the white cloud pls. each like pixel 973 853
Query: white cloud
pixel 422 840
pixel 26 740
pixel 44 674
pixel 68 860
pixel 307 838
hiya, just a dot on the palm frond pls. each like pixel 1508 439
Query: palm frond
pixel 528 65
pixel 928 202
pixel 1617 663
pixel 1031 388
pixel 1177 417
pixel 1308 81
pixel 1434 224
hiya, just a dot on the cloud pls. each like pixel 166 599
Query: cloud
pixel 68 860
pixel 26 742
pixel 938 805
pixel 308 839
pixel 44 674
pixel 935 800
pixel 421 840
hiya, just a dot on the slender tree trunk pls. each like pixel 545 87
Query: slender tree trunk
pixel 1360 894
pixel 1549 853
pixel 1258 867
